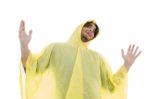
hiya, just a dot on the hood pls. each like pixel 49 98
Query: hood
pixel 75 39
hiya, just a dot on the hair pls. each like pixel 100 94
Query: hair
pixel 89 23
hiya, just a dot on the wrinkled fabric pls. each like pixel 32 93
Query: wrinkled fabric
pixel 71 71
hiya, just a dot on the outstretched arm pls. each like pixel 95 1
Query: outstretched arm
pixel 130 56
pixel 118 80
pixel 24 39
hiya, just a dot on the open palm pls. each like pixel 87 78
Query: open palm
pixel 130 56
pixel 23 36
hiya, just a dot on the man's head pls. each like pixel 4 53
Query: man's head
pixel 89 31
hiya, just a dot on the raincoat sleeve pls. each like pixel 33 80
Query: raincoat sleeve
pixel 36 64
pixel 114 86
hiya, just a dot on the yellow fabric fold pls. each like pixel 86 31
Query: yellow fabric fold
pixel 114 86
pixel 76 82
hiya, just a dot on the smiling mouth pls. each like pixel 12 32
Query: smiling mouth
pixel 85 38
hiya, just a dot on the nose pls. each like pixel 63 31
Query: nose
pixel 90 32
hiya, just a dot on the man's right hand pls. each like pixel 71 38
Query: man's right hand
pixel 23 36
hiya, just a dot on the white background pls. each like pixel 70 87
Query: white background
pixel 122 22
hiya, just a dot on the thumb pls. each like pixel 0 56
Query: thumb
pixel 30 33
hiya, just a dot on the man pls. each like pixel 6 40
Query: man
pixel 72 71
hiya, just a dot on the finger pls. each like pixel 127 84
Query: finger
pixel 135 51
pixel 122 53
pixel 138 54
pixel 129 48
pixel 22 26
pixel 30 33
pixel 132 48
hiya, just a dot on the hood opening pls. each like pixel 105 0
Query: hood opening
pixel 75 39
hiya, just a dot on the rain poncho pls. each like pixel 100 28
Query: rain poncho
pixel 71 71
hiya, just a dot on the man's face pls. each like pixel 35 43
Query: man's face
pixel 87 33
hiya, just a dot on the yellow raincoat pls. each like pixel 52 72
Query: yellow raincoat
pixel 71 71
